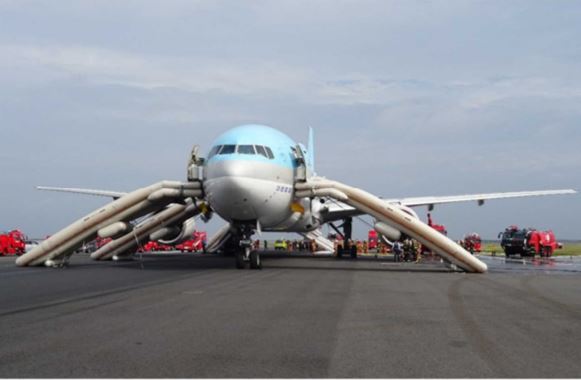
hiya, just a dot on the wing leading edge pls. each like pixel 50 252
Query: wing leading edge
pixel 339 210
pixel 480 198
pixel 99 193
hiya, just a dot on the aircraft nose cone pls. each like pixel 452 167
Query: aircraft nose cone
pixel 231 193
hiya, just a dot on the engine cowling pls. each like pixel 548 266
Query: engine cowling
pixel 310 216
pixel 389 232
pixel 392 234
pixel 409 211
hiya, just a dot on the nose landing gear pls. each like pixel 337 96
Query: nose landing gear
pixel 255 262
pixel 245 254
pixel 248 256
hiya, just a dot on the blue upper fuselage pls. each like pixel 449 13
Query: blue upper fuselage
pixel 254 142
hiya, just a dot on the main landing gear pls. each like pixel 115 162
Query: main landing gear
pixel 245 254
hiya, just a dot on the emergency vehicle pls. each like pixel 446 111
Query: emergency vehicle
pixel 154 246
pixel 12 243
pixel 438 227
pixel 528 242
pixel 195 244
pixel 472 242
pixel 372 240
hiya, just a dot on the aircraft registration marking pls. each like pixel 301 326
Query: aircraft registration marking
pixel 284 189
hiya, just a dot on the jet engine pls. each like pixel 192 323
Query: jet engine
pixel 310 215
pixel 409 211
pixel 391 233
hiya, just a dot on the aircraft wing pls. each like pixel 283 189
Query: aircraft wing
pixel 338 210
pixel 100 193
pixel 480 198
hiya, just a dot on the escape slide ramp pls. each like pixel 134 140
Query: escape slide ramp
pixel 392 216
pixel 324 245
pixel 170 201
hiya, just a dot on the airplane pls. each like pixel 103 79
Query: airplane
pixel 257 179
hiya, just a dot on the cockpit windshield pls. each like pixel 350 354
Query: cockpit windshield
pixel 246 149
pixel 213 151
pixel 260 150
pixel 228 149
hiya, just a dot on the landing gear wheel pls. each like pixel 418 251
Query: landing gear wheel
pixel 240 264
pixel 255 262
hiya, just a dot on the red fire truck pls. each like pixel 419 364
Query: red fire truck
pixel 195 244
pixel 154 246
pixel 472 242
pixel 12 243
pixel 372 240
pixel 528 242
pixel 438 227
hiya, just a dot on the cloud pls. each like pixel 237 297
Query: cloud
pixel 107 67
pixel 407 98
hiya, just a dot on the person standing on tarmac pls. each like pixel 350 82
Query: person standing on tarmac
pixel 397 251
pixel 407 248
pixel 418 251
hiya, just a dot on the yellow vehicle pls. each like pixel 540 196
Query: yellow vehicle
pixel 281 244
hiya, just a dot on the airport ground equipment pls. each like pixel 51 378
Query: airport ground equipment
pixel 438 227
pixel 372 240
pixel 12 243
pixel 174 199
pixel 195 244
pixel 392 216
pixel 528 242
pixel 154 246
pixel 472 242
pixel 281 245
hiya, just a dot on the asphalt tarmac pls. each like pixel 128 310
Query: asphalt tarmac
pixel 197 316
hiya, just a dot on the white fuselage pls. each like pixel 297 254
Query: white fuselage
pixel 251 189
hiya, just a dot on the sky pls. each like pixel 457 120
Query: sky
pixel 407 98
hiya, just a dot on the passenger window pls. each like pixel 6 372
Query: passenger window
pixel 269 152
pixel 228 149
pixel 260 150
pixel 213 151
pixel 246 149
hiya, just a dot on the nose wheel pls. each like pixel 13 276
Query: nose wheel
pixel 255 262
pixel 248 256
pixel 245 255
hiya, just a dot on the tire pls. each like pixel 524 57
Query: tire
pixel 240 264
pixel 255 262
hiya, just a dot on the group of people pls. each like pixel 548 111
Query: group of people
pixel 408 250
